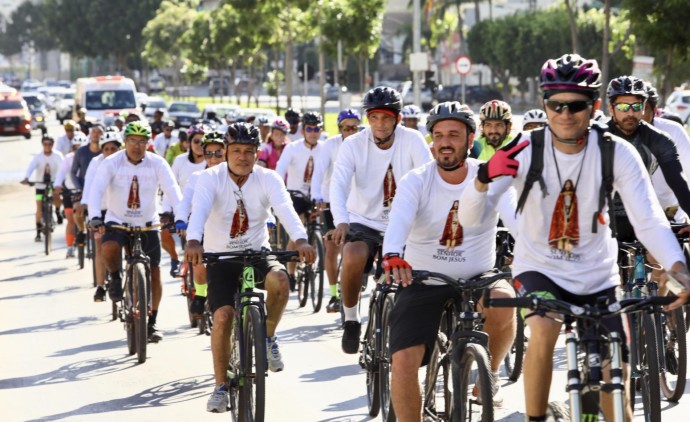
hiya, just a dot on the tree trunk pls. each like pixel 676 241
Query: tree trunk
pixel 322 76
pixel 288 65
pixel 461 24
pixel 605 53
pixel 476 12
pixel 277 83
pixel 667 85
pixel 573 26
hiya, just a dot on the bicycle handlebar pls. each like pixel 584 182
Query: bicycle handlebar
pixel 209 257
pixel 132 229
pixel 476 282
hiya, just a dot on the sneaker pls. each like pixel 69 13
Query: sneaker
pixel 351 332
pixel 154 335
pixel 218 402
pixel 333 306
pixel 196 308
pixel 115 287
pixel 81 238
pixel 174 268
pixel 58 215
pixel 99 296
pixel 275 360
pixel 38 237
pixel 496 390
pixel 70 252
pixel 293 282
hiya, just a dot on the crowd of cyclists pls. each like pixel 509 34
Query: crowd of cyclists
pixel 428 197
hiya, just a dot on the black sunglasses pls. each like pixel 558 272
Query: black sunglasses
pixel 572 106
pixel 217 153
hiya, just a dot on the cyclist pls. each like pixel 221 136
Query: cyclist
pixel 45 166
pixel 348 124
pixel 120 123
pixel 84 125
pixel 63 143
pixel 296 164
pixel 424 224
pixel 232 204
pixel 264 126
pixel 164 140
pixel 110 143
pixel 558 254
pixel 82 158
pixel 496 122
pixel 130 180
pixel 410 118
pixel 213 145
pixel 275 143
pixel 157 125
pixel 179 147
pixel 64 187
pixel 534 119
pixel 363 186
pixel 294 119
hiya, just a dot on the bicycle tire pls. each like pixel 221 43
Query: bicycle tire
pixel 387 410
pixel 141 310
pixel 368 360
pixel 514 358
pixel 649 381
pixel 113 310
pixel 128 313
pixel 190 294
pixel 674 355
pixel 81 258
pixel 462 390
pixel 253 388
pixel 234 371
pixel 340 291
pixel 91 241
pixel 48 228
pixel 302 279
pixel 438 393
pixel 317 278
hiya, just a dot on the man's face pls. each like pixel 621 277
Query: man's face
pixel 311 134
pixel 495 131
pixel 95 135
pixel 184 145
pixel 69 133
pixel 451 143
pixel 294 126
pixel 168 130
pixel 214 154
pixel 410 123
pixel 381 124
pixel 135 145
pixel 649 112
pixel 568 124
pixel 47 146
pixel 157 116
pixel 628 120
pixel 348 127
pixel 241 158
pixel 110 148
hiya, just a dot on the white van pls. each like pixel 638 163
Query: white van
pixel 105 97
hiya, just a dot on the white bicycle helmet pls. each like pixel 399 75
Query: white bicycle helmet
pixel 534 116
pixel 79 139
pixel 411 112
pixel 111 134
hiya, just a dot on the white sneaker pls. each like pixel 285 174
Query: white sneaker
pixel 218 402
pixel 275 360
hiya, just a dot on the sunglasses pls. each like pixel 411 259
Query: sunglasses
pixel 310 129
pixel 140 143
pixel 625 107
pixel 196 141
pixel 217 153
pixel 349 128
pixel 572 106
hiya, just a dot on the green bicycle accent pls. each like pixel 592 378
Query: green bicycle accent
pixel 539 293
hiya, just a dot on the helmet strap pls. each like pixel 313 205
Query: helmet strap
pixel 383 141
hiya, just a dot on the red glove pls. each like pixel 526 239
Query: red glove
pixel 393 260
pixel 503 163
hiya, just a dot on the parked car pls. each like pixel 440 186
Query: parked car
pixel 156 84
pixel 155 103
pixel 30 85
pixel 15 117
pixel 679 103
pixel 331 92
pixel 222 110
pixel 426 96
pixel 257 112
pixel 219 87
pixel 38 110
pixel 64 103
pixel 184 113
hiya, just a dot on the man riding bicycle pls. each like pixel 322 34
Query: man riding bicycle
pixel 495 119
pixel 424 225
pixel 232 204
pixel 363 186
pixel 564 247
pixel 64 186
pixel 130 179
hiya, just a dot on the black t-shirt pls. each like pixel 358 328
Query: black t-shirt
pixel 156 128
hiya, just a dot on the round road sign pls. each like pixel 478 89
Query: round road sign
pixel 463 65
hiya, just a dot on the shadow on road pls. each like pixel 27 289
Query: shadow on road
pixel 162 395
pixel 16 258
pixel 352 404
pixel 308 333
pixel 54 326
pixel 106 345
pixel 37 274
pixel 330 374
pixel 355 418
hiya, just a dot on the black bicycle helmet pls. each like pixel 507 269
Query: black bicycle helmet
pixel 652 94
pixel 292 116
pixel 626 85
pixel 243 133
pixel 451 110
pixel 674 117
pixel 311 118
pixel 570 72
pixel 382 97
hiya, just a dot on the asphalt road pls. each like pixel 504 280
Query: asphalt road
pixel 62 358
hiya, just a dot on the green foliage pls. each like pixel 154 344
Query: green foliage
pixel 357 23
pixel 659 24
pixel 162 34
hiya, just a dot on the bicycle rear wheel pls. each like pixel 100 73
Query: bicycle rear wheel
pixel 81 255
pixel 253 388
pixel 188 280
pixel 438 393
pixel 140 309
pixel 234 371
pixel 473 356
pixel 91 245
pixel 128 313
pixel 48 228
pixel 649 365
pixel 368 360
pixel 318 273
pixel 387 411
pixel 673 358
pixel 513 360
pixel 302 276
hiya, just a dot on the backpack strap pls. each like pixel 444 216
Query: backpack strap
pixel 607 148
pixel 536 166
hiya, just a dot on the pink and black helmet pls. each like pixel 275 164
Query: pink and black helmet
pixel 571 72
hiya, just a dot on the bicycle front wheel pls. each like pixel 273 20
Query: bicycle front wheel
pixel 302 276
pixel 81 255
pixel 437 395
pixel 92 252
pixel 128 312
pixel 48 228
pixel 387 411
pixel 253 388
pixel 317 276
pixel 674 355
pixel 649 366
pixel 368 360
pixel 513 360
pixel 473 358
pixel 140 309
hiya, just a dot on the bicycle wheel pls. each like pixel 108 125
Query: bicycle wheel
pixel 438 393
pixel 48 227
pixel 368 360
pixel 91 245
pixel 188 280
pixel 674 355
pixel 340 291
pixel 234 371
pixel 253 387
pixel 140 309
pixel 81 255
pixel 473 356
pixel 649 366
pixel 387 411
pixel 513 360
pixel 317 276
pixel 302 276
pixel 128 313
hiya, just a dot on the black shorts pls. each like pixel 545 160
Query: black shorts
pixel 150 243
pixel 417 313
pixel 223 280
pixel 534 283
pixel 327 220
pixel 373 238
pixel 39 194
pixel 625 230
pixel 300 203
pixel 67 199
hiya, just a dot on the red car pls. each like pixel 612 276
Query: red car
pixel 15 117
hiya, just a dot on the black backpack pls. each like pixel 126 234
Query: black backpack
pixel 607 148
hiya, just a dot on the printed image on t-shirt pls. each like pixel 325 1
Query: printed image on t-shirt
pixel 388 187
pixel 240 221
pixel 452 232
pixel 564 234
pixel 308 170
pixel 133 201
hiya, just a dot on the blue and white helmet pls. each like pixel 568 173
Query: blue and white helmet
pixel 411 112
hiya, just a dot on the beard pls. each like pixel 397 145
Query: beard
pixel 494 139
pixel 451 161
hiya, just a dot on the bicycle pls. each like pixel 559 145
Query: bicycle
pixel 47 223
pixel 460 344
pixel 248 357
pixel 310 277
pixel 82 253
pixel 584 368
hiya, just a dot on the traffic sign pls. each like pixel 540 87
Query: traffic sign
pixel 463 65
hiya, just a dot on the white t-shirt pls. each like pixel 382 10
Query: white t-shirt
pixel 298 162
pixel 38 166
pixel 63 144
pixel 424 221
pixel 230 218
pixel 364 179
pixel 64 174
pixel 584 262
pixel 323 168
pixel 297 135
pixel 132 189
pixel 161 143
pixel 185 207
pixel 88 181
